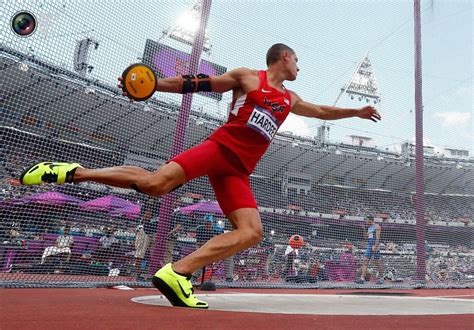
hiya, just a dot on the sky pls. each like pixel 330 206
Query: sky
pixel 329 37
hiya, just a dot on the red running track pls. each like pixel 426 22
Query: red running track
pixel 112 309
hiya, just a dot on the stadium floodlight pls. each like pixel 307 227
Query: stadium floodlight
pixel 362 83
pixel 188 22
pixel 82 54
pixel 187 26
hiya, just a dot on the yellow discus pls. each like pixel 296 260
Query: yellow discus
pixel 139 82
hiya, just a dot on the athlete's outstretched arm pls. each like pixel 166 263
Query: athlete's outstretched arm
pixel 219 84
pixel 327 112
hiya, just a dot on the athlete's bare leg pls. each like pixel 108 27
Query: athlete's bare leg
pixel 247 232
pixel 365 263
pixel 157 183
pixel 379 264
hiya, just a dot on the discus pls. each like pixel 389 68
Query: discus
pixel 138 82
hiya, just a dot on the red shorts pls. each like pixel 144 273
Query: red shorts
pixel 226 173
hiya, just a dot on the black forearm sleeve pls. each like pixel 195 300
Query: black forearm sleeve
pixel 193 84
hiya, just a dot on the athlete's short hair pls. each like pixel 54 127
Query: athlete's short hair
pixel 273 54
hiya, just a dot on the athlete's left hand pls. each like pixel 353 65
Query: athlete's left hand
pixel 375 248
pixel 120 86
pixel 369 112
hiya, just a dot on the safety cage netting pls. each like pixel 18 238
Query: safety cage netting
pixel 317 184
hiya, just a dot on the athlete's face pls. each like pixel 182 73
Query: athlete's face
pixel 291 65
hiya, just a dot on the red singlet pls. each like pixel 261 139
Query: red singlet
pixel 231 153
pixel 253 122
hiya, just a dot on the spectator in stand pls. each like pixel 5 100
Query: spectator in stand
pixel 289 267
pixel 218 227
pixel 443 271
pixel 143 237
pixel 171 242
pixel 63 246
pixel 205 232
pixel 267 245
pixel 104 252
pixel 15 232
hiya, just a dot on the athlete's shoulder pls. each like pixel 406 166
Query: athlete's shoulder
pixel 241 72
pixel 293 93
pixel 294 97
pixel 247 78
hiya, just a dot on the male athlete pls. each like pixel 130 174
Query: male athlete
pixel 228 156
pixel 373 250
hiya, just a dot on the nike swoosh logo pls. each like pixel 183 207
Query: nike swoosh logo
pixel 186 295
pixel 266 91
pixel 52 166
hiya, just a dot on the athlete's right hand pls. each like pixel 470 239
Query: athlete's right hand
pixel 369 112
pixel 138 82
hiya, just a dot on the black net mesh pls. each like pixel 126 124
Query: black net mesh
pixel 318 179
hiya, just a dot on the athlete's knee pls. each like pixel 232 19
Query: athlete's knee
pixel 257 236
pixel 258 233
pixel 248 224
pixel 252 237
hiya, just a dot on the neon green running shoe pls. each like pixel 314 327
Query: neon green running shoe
pixel 177 288
pixel 49 172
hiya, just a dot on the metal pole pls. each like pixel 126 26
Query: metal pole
pixel 166 208
pixel 419 178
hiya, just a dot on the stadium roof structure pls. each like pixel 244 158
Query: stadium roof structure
pixel 107 120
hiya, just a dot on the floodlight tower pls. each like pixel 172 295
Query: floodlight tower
pixel 82 54
pixel 361 85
